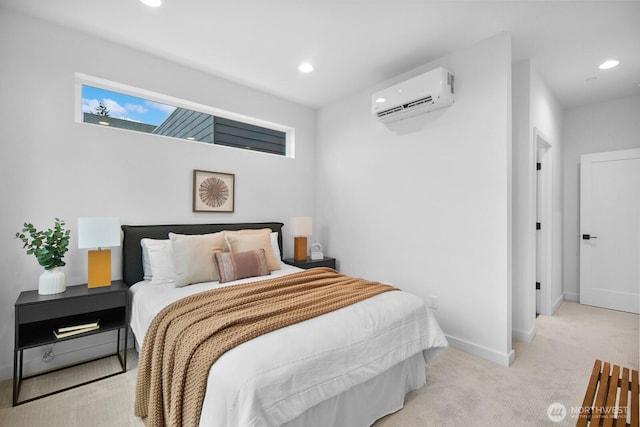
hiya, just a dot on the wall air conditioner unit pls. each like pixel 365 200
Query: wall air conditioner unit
pixel 421 94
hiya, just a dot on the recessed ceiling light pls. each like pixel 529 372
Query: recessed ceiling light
pixel 609 64
pixel 305 67
pixel 152 3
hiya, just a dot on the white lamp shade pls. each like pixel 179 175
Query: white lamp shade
pixel 98 232
pixel 302 226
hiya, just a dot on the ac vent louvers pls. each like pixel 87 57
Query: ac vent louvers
pixel 425 100
pixel 389 111
pixel 408 106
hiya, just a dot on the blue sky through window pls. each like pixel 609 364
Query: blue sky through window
pixel 125 107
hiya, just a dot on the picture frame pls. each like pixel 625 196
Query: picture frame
pixel 213 191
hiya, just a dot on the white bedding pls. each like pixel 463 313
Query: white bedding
pixel 275 378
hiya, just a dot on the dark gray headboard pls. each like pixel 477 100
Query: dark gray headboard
pixel 132 251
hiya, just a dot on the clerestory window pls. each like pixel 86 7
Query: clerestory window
pixel 133 110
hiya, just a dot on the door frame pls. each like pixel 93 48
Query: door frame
pixel 543 256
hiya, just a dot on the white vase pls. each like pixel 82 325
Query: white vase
pixel 52 282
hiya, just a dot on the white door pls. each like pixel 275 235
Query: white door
pixel 610 230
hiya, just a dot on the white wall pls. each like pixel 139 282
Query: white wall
pixel 535 109
pixel 51 166
pixel 425 203
pixel 523 205
pixel 606 126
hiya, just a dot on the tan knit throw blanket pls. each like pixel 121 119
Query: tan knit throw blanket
pixel 188 336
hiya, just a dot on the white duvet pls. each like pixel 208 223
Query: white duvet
pixel 272 379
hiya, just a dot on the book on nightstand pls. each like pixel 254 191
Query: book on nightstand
pixel 81 326
pixel 68 331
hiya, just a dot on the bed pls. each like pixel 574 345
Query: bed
pixel 348 367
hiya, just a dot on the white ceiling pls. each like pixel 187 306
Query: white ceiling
pixel 355 44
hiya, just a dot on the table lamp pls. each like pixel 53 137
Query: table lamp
pixel 99 233
pixel 301 227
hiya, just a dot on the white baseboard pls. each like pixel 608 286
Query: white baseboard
pixel 570 296
pixel 504 359
pixel 556 304
pixel 524 336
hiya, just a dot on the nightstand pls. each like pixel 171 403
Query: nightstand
pixel 310 263
pixel 37 316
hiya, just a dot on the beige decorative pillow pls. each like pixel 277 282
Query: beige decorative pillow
pixel 244 232
pixel 248 240
pixel 274 239
pixel 239 265
pixel 192 260
pixel 248 231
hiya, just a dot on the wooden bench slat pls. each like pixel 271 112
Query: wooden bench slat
pixel 635 408
pixel 610 406
pixel 603 387
pixel 624 392
pixel 590 394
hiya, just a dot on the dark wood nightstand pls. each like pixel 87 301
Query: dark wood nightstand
pixel 37 316
pixel 310 263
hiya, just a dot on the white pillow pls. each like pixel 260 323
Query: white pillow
pixel 159 260
pixel 146 264
pixel 275 247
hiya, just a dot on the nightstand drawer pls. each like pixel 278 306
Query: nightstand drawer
pixel 69 307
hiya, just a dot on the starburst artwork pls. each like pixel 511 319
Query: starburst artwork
pixel 213 191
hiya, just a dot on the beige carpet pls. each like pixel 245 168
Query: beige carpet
pixel 461 390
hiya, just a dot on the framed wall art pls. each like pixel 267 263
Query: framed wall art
pixel 213 191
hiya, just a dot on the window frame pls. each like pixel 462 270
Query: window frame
pixel 100 83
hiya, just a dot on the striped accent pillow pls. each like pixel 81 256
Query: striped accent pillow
pixel 240 265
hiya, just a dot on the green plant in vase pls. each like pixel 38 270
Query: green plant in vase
pixel 49 247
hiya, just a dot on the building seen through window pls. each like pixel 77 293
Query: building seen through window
pixel 108 108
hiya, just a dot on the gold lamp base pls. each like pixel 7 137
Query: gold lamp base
pixel 300 248
pixel 99 268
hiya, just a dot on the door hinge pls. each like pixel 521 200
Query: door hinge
pixel 538 166
pixel 538 226
pixel 537 285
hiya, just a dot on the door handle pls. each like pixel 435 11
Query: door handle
pixel 588 237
